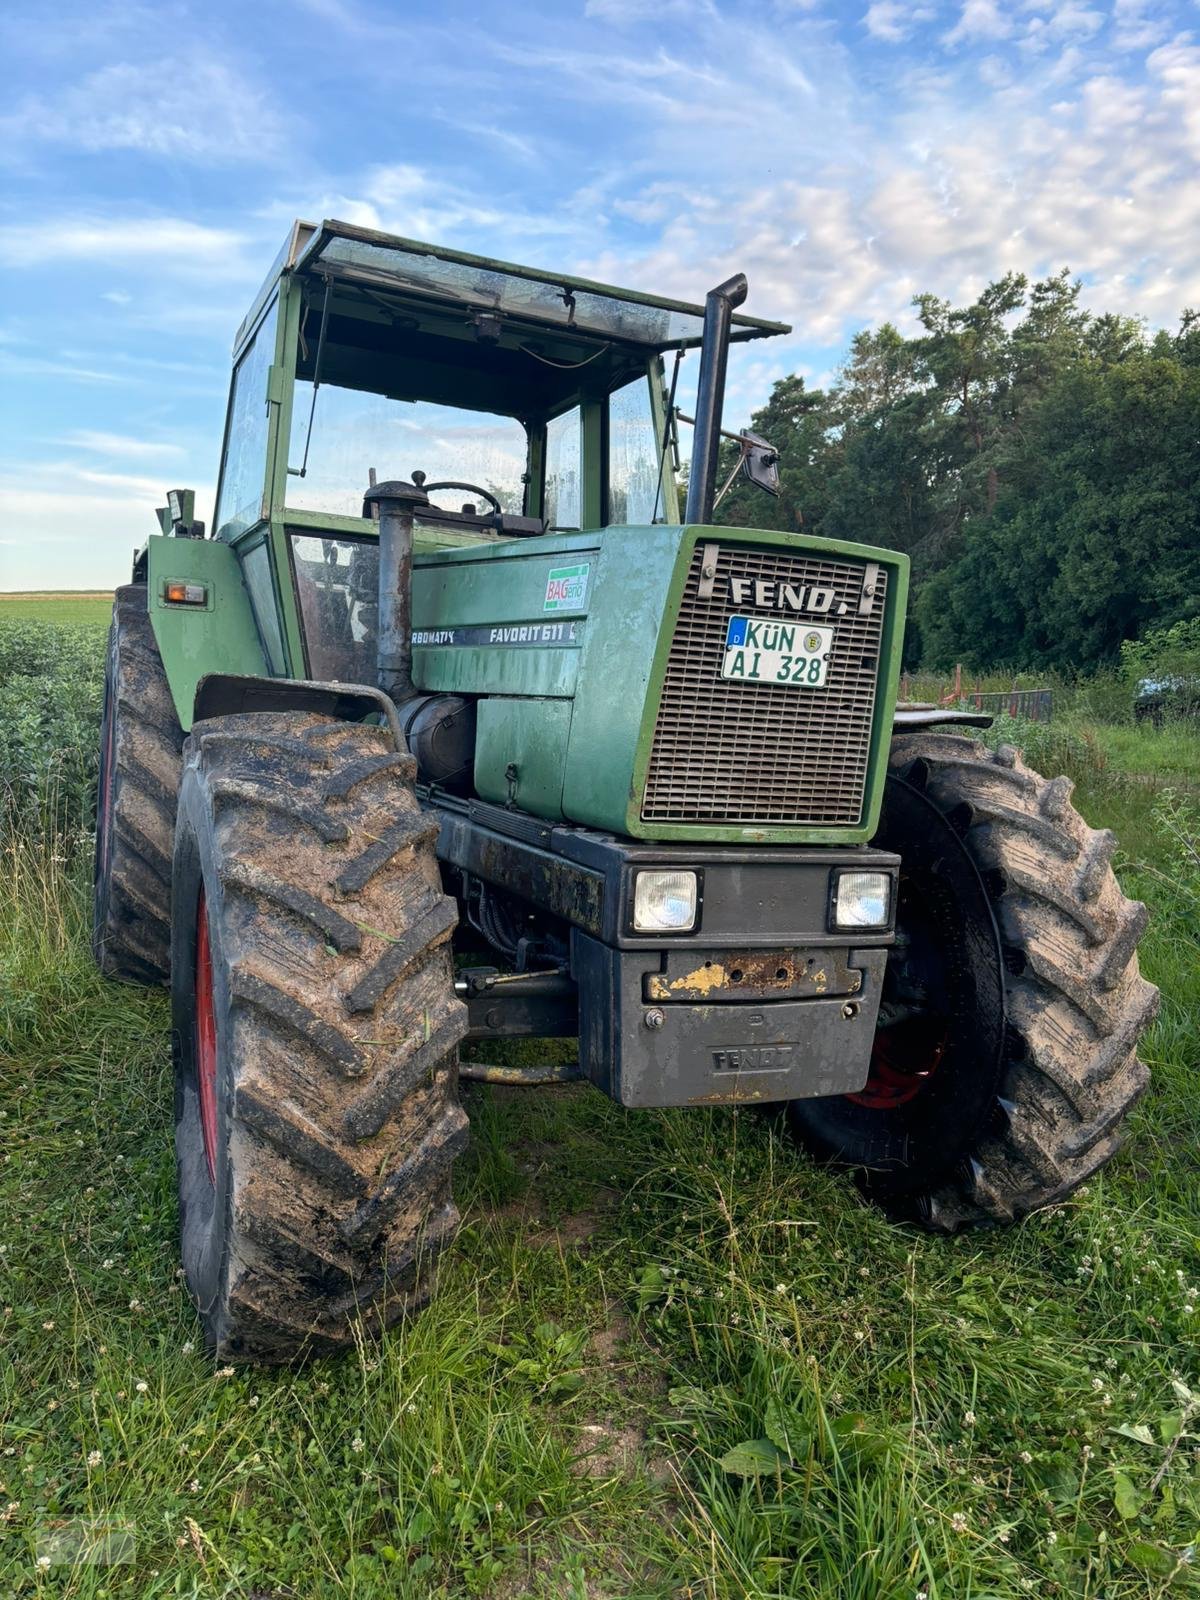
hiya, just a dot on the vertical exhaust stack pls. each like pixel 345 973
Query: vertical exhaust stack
pixel 397 503
pixel 719 306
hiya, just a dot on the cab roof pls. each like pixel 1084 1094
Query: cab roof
pixel 407 271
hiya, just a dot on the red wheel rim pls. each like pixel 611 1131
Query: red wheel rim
pixel 206 1040
pixel 903 1060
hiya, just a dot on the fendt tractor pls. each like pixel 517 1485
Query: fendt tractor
pixel 457 727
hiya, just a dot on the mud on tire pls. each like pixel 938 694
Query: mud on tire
pixel 335 1116
pixel 1029 1126
pixel 141 756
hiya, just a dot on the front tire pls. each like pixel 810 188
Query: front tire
pixel 141 757
pixel 316 1033
pixel 1006 1057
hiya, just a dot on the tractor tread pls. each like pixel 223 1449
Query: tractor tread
pixel 276 798
pixel 343 1121
pixel 1077 1004
pixel 411 830
pixel 341 933
pixel 131 925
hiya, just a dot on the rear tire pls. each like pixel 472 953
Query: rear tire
pixel 141 757
pixel 325 1063
pixel 1030 964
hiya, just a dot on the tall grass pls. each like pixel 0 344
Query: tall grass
pixel 668 1357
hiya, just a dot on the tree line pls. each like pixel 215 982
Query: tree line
pixel 1039 463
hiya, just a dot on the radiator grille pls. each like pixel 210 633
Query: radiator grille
pixel 766 753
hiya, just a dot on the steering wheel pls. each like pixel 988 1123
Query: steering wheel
pixel 452 483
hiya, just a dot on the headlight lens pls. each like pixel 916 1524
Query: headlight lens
pixel 665 902
pixel 862 899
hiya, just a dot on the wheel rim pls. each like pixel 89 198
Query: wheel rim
pixel 903 1060
pixel 206 1040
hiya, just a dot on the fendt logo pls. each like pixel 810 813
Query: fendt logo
pixel 783 596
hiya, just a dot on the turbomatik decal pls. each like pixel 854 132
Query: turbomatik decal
pixel 547 635
pixel 567 587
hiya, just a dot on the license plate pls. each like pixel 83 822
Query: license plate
pixel 761 650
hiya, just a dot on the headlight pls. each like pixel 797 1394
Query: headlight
pixel 664 902
pixel 862 899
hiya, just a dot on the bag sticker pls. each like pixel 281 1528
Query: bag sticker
pixel 566 588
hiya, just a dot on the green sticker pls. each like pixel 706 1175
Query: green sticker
pixel 566 588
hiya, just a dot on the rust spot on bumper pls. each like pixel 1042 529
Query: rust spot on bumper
pixel 752 975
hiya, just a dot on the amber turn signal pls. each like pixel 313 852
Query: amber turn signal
pixel 185 594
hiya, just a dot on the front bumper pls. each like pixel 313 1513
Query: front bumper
pixel 764 1000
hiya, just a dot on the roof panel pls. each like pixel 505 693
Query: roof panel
pixel 409 268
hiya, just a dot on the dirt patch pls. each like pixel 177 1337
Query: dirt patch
pixel 604 1449
pixel 616 1331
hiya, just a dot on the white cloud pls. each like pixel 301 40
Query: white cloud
pixel 892 21
pixel 188 108
pixel 118 444
pixel 980 19
pixel 130 240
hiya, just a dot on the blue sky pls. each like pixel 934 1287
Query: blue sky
pixel 845 156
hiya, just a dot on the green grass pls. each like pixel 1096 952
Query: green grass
pixel 63 607
pixel 634 1297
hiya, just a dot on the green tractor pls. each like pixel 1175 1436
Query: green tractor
pixel 507 743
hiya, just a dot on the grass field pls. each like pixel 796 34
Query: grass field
pixel 633 1298
pixel 63 607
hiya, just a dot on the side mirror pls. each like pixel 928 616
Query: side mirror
pixel 178 516
pixel 760 463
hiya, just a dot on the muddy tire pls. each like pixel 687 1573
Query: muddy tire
pixel 1006 1060
pixel 141 757
pixel 316 1034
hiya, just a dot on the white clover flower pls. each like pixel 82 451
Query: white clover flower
pixel 48 1327
pixel 188 1348
pixel 94 1458
pixel 43 1562
pixel 969 1419
pixel 223 1372
pixel 1052 1537
pixel 357 1445
pixel 959 1522
pixel 107 1263
pixel 1026 1457
pixel 142 1386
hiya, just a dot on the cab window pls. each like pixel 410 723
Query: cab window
pixel 244 467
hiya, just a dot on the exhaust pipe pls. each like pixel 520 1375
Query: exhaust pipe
pixel 719 306
pixel 396 503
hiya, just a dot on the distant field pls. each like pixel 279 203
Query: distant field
pixel 65 605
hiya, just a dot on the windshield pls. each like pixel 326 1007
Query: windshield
pixel 354 431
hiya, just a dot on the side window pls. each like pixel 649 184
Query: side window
pixel 244 469
pixel 632 455
pixel 337 585
pixel 256 570
pixel 562 503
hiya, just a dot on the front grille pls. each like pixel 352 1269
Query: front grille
pixel 766 753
